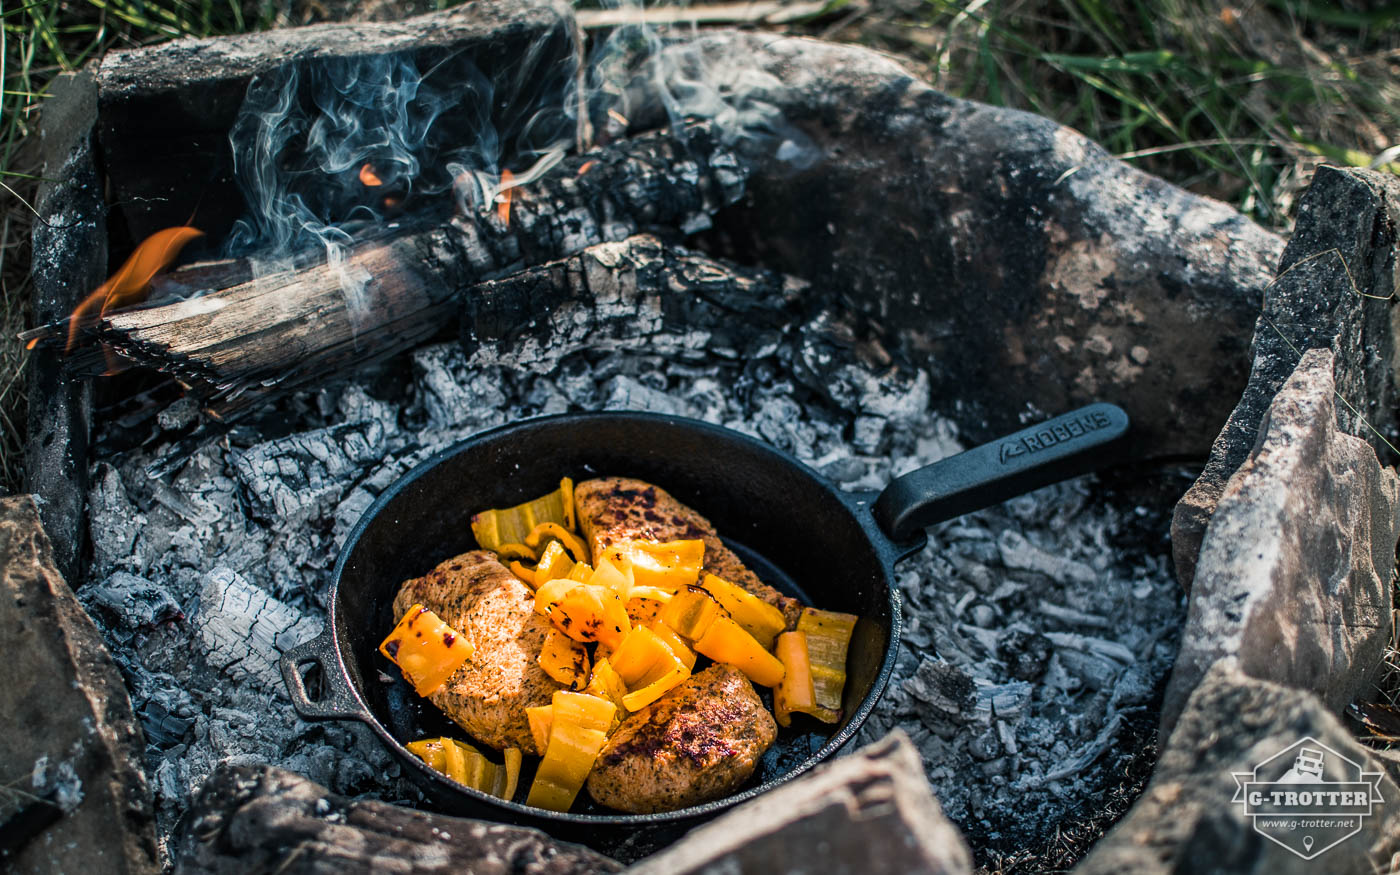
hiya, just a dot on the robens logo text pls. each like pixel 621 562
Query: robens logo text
pixel 1307 797
pixel 1052 434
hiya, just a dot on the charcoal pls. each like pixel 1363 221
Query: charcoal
pixel 132 602
pixel 290 478
pixel 245 630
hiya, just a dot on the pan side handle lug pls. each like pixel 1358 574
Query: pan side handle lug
pixel 337 701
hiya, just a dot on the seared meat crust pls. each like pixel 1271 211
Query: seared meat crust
pixel 701 741
pixel 616 509
pixel 479 597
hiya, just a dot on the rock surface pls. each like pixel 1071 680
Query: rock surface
pixel 1293 582
pixel 1334 290
pixel 1019 262
pixel 1186 821
pixel 67 735
pixel 264 819
pixel 70 259
pixel 867 814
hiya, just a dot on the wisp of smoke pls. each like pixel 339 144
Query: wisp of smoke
pixel 329 152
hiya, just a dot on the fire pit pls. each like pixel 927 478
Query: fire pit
pixel 792 239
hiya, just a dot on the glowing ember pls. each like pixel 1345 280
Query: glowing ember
pixel 369 177
pixel 587 166
pixel 503 199
pixel 618 117
pixel 130 284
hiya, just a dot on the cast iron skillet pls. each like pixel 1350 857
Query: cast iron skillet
pixel 832 549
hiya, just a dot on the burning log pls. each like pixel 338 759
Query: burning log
pixel 252 338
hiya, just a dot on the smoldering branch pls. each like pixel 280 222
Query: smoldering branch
pixel 251 338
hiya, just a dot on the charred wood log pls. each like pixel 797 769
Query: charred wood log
pixel 638 293
pixel 262 819
pixel 257 338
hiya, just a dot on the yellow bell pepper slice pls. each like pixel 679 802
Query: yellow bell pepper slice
pixel 757 617
pixel 549 595
pixel 541 718
pixel 511 525
pixel 426 650
pixel 664 683
pixel 652 593
pixel 554 563
pixel 508 778
pixel 640 654
pixel 675 642
pixel 468 766
pixel 454 763
pixel 581 572
pixel 606 683
pixel 691 611
pixel 726 641
pixel 525 574
pixel 648 667
pixel 590 712
pixel 666 565
pixel 586 612
pixel 509 552
pixel 540 533
pixel 564 660
pixel 567 761
pixel 795 692
pixel 828 639
pixel 615 575
pixel 566 494
pixel 576 735
pixel 430 751
pixel 643 611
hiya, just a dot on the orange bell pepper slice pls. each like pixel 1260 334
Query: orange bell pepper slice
pixel 757 617
pixel 726 641
pixel 426 650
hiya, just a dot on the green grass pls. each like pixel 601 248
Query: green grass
pixel 1237 102
pixel 1240 103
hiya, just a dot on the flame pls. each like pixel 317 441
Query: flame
pixel 130 284
pixel 390 203
pixel 587 166
pixel 503 199
pixel 369 177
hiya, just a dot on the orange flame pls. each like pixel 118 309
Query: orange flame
pixel 587 166
pixel 503 199
pixel 130 284
pixel 369 177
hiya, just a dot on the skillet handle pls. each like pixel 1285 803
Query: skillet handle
pixel 337 701
pixel 1076 443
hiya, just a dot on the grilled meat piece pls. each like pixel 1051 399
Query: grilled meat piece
pixel 479 597
pixel 616 509
pixel 701 741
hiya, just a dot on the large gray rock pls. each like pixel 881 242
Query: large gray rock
pixel 1186 821
pixel 867 814
pixel 1018 261
pixel 1334 291
pixel 68 739
pixel 264 819
pixel 1293 583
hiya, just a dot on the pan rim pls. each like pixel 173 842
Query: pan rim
pixel 855 503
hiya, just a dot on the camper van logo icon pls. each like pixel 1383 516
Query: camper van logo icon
pixel 1307 797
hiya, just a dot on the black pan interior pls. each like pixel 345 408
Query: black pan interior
pixel 787 524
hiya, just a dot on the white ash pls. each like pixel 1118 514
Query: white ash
pixel 1030 640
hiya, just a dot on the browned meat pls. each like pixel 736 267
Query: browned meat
pixel 699 742
pixel 479 597
pixel 614 509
